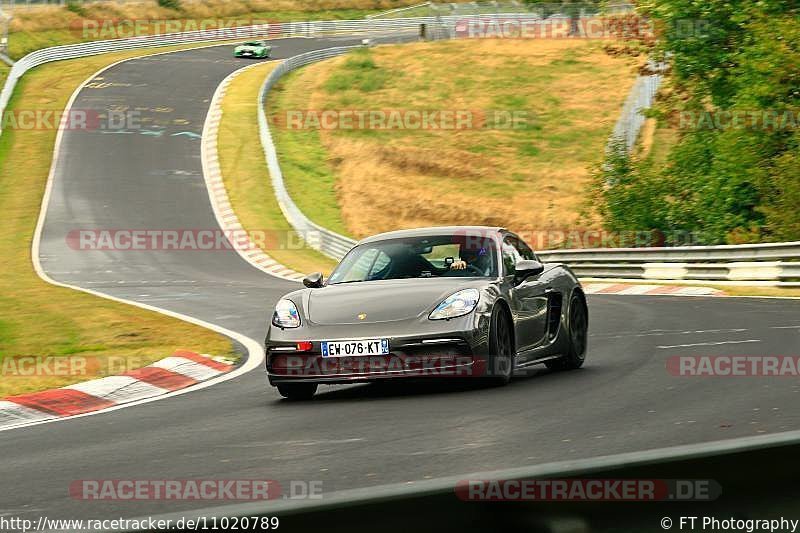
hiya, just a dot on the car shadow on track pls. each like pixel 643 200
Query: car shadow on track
pixel 391 389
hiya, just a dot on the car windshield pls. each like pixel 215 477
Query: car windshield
pixel 419 257
pixel 252 43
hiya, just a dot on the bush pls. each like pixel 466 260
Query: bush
pixel 723 182
pixel 170 4
pixel 76 7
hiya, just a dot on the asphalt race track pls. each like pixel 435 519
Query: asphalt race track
pixel 348 437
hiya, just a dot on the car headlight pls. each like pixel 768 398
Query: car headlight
pixel 457 304
pixel 286 315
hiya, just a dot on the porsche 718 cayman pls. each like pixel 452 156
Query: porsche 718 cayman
pixel 447 302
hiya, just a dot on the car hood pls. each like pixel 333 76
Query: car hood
pixel 248 48
pixel 381 301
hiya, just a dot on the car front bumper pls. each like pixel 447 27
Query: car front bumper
pixel 454 349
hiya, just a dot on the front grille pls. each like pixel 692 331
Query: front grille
pixel 396 363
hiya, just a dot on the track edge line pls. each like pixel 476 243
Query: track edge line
pixel 255 355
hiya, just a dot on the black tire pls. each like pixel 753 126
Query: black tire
pixel 502 353
pixel 577 336
pixel 297 391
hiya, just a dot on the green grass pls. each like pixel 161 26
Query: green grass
pixel 358 72
pixel 39 319
pixel 247 179
pixel 304 161
pixel 3 73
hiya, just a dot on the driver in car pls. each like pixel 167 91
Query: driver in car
pixel 477 259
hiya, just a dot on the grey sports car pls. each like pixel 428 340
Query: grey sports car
pixel 449 302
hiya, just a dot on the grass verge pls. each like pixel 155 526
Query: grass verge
pixel 247 179
pixel 785 292
pixel 532 175
pixel 307 170
pixel 41 320
pixel 4 69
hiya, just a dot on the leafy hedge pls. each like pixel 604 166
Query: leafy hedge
pixel 734 174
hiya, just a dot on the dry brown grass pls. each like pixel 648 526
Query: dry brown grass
pixel 535 178
pixel 46 17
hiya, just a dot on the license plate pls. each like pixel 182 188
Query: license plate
pixel 355 348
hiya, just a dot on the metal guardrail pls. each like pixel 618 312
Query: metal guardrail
pixel 774 264
pixel 286 29
pixel 689 254
pixel 765 273
pixel 631 120
pixel 398 10
pixel 324 240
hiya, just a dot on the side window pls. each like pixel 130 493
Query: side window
pixel 510 256
pixel 362 266
pixel 524 250
pixel 379 264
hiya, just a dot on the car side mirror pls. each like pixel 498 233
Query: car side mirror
pixel 527 268
pixel 313 281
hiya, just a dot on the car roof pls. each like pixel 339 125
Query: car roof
pixel 432 231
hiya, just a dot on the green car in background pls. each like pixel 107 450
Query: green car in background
pixel 258 49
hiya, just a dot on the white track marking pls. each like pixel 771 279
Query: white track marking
pixel 187 367
pixel 14 414
pixel 639 289
pixel 665 333
pixel 707 344
pixel 220 203
pixel 255 352
pixel 118 389
pixel 591 287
